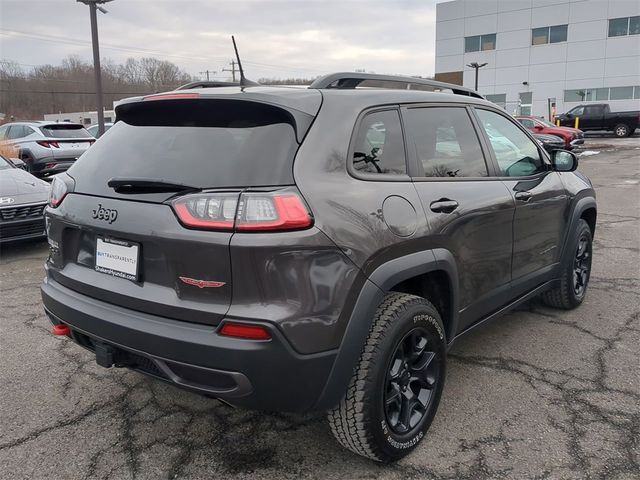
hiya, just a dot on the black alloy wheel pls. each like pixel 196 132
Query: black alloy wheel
pixel 411 379
pixel 582 265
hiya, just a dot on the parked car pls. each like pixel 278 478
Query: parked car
pixel 46 148
pixel 298 257
pixel 598 116
pixel 23 198
pixel 570 136
pixel 549 142
pixel 93 129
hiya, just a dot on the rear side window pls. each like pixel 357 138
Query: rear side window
pixel 379 145
pixel 445 142
pixel 64 131
pixel 517 155
pixel 16 131
pixel 203 143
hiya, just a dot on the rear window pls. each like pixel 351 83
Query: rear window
pixel 65 131
pixel 201 143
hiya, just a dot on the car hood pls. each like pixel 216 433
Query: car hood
pixel 21 187
pixel 575 131
pixel 548 138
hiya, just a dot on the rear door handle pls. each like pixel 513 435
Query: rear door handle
pixel 524 196
pixel 444 205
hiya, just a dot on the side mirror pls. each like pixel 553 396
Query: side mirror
pixel 538 128
pixel 18 163
pixel 564 161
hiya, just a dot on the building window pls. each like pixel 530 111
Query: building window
pixel 526 100
pixel 620 27
pixel 499 99
pixel 480 43
pixel 620 93
pixel 600 94
pixel 554 34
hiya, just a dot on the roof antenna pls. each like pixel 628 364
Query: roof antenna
pixel 243 80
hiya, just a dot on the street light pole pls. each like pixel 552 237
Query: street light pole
pixel 93 7
pixel 477 66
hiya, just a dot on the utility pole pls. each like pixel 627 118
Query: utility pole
pixel 477 67
pixel 207 72
pixel 232 69
pixel 93 7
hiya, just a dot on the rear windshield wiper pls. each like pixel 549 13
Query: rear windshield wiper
pixel 148 185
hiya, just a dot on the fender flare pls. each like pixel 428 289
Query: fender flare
pixel 382 280
pixel 579 207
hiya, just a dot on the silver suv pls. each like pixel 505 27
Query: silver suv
pixel 46 147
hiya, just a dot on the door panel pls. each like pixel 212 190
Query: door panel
pixel 538 225
pixel 540 200
pixel 479 235
pixel 468 213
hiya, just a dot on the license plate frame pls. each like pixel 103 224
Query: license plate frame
pixel 118 258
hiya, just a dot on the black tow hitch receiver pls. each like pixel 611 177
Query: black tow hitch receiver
pixel 104 355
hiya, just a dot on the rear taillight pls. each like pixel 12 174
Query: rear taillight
pixel 276 211
pixel 208 211
pixel 48 143
pixel 248 212
pixel 59 190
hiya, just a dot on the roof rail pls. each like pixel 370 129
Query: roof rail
pixel 207 84
pixel 347 80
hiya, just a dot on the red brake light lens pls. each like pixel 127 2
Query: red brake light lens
pixel 208 211
pixel 48 143
pixel 272 211
pixel 245 331
pixel 251 212
pixel 58 192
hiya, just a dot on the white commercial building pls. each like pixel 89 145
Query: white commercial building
pixel 536 51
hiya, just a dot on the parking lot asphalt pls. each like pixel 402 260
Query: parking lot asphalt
pixel 538 393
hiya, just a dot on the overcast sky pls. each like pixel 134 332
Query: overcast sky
pixel 278 39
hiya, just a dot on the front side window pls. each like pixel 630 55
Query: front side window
pixel 517 155
pixel 379 145
pixel 445 142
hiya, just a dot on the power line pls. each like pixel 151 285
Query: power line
pixel 110 46
pixel 233 69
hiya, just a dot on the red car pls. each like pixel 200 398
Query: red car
pixel 571 136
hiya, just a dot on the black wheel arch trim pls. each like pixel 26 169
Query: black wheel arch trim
pixel 580 206
pixel 381 281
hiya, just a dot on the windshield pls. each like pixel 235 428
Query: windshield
pixel 545 122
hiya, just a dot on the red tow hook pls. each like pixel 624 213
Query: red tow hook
pixel 61 329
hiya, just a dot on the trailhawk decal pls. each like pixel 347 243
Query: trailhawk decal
pixel 202 283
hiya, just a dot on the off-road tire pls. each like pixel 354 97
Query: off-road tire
pixel 359 422
pixel 564 295
pixel 621 130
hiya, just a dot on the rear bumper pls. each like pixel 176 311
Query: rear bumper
pixel 254 374
pixel 51 165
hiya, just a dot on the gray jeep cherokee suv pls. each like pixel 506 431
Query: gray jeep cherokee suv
pixel 293 249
